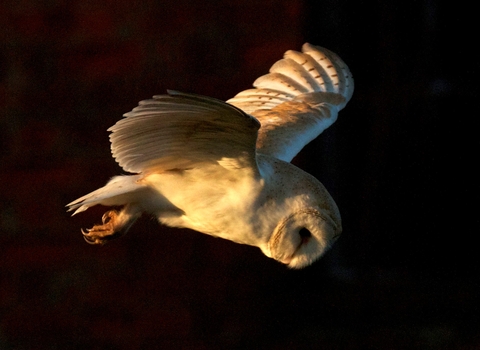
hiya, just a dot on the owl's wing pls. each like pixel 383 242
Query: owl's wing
pixel 181 131
pixel 297 100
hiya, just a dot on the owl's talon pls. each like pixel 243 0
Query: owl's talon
pixel 109 216
pixel 100 234
pixel 91 240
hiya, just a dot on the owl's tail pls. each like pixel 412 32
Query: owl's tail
pixel 120 190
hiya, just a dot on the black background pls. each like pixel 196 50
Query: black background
pixel 400 162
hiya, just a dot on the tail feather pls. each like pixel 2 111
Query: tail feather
pixel 118 191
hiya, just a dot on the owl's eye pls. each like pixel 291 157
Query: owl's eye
pixel 304 234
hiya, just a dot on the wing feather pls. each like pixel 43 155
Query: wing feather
pixel 180 131
pixel 280 82
pixel 253 99
pixel 298 99
pixel 291 68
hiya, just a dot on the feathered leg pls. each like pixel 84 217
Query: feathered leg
pixel 115 224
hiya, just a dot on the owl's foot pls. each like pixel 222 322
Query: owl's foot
pixel 100 234
pixel 115 224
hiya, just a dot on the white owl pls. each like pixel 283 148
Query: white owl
pixel 224 168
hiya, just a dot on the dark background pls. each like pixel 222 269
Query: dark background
pixel 400 162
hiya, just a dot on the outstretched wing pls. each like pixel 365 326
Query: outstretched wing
pixel 297 100
pixel 181 131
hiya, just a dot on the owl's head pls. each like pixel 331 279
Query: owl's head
pixel 304 236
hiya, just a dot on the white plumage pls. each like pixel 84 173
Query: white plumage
pixel 223 168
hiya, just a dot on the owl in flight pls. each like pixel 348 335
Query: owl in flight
pixel 223 168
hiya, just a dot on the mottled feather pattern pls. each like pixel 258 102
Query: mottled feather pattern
pixel 280 82
pixel 288 67
pixel 317 81
pixel 297 119
pixel 337 71
pixel 316 69
pixel 252 99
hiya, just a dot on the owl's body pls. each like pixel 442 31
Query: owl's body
pixel 209 166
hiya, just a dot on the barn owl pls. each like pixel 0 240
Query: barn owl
pixel 223 168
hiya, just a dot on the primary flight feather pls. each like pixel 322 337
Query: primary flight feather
pixel 224 168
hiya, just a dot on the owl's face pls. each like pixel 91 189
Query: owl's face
pixel 302 237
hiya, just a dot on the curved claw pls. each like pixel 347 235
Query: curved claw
pixel 91 240
pixel 114 225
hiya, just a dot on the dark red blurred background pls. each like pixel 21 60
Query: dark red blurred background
pixel 399 161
